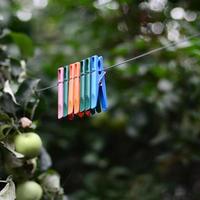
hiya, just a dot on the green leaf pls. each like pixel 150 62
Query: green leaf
pixel 24 43
pixel 11 149
pixel 7 89
pixel 17 70
pixel 4 130
pixel 4 117
pixel 7 104
pixel 26 90
pixel 8 192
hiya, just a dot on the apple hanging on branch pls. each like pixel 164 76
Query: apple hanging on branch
pixel 28 144
pixel 29 190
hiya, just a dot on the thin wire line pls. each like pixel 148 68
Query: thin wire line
pixel 153 51
pixel 65 80
pixel 171 44
pixel 46 88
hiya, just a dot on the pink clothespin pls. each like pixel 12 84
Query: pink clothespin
pixel 60 91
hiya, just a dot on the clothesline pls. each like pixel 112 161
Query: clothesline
pixel 171 44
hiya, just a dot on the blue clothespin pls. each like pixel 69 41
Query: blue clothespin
pixel 94 82
pixel 102 97
pixel 100 100
pixel 65 92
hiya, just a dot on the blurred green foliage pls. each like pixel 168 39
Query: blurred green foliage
pixel 147 145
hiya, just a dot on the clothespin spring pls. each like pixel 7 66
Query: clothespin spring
pixel 102 75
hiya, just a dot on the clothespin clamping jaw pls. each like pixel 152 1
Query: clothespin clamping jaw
pixel 60 92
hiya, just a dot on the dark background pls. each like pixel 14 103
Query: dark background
pixel 147 145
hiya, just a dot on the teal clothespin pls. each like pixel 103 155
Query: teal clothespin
pixel 82 86
pixel 65 92
pixel 87 84
pixel 94 83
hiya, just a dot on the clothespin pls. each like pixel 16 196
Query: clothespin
pixel 77 87
pixel 94 81
pixel 60 92
pixel 102 103
pixel 65 84
pixel 82 89
pixel 87 86
pixel 71 90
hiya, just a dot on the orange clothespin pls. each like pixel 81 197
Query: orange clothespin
pixel 71 91
pixel 77 87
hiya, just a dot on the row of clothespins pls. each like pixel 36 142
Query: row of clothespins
pixel 82 88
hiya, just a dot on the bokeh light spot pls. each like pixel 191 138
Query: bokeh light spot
pixel 40 3
pixel 157 28
pixel 24 15
pixel 177 13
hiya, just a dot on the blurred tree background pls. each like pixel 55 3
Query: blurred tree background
pixel 147 145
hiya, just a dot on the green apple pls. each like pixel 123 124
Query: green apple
pixel 29 190
pixel 28 144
